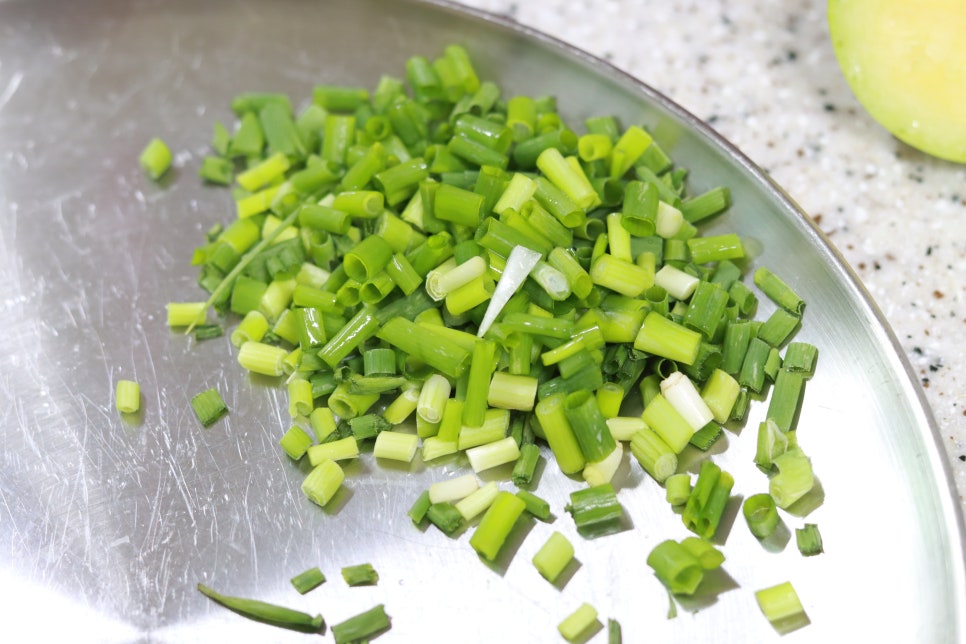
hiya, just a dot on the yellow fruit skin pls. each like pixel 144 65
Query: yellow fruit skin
pixel 905 61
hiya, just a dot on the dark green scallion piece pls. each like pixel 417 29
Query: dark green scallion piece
pixel 360 575
pixel 308 580
pixel 363 626
pixel 267 613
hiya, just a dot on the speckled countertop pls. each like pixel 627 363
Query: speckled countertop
pixel 763 74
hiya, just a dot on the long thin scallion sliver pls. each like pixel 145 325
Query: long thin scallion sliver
pixel 267 613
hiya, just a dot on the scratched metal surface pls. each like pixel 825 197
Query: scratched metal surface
pixel 108 525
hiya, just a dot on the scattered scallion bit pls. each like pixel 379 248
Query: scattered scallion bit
pixel 155 158
pixel 496 524
pixel 360 575
pixel 208 331
pixel 761 514
pixel 596 510
pixel 361 627
pixel 614 633
pixel 576 626
pixel 445 516
pixel 417 512
pixel 781 605
pixel 308 580
pixel 553 557
pixel 127 396
pixel 709 497
pixel 208 406
pixel 295 442
pixel 809 540
pixel 267 613
pixel 678 567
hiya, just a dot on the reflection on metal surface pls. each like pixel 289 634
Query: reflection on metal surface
pixel 112 524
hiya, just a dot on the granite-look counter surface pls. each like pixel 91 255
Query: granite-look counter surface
pixel 764 75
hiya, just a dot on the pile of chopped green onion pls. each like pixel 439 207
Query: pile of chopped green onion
pixel 434 267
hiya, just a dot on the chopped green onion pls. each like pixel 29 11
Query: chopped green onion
pixel 677 488
pixel 495 526
pixel 445 516
pixel 602 471
pixel 323 481
pixel 653 454
pixel 665 420
pixel 589 425
pixel 360 575
pixel 809 540
pixel 683 396
pixel 396 446
pixel 577 625
pixel 453 489
pixel 155 158
pixel 786 399
pixel 623 428
pixel 707 555
pixel 614 635
pixel 663 337
pixel 705 437
pixel 778 291
pixel 535 505
pixel 402 407
pixel 595 510
pixel 526 465
pixel 185 313
pixel 707 501
pixel 779 327
pixel 419 508
pixel 794 479
pixel 676 567
pixel 127 396
pixel 490 455
pixel 801 356
pixel 553 557
pixel 559 433
pixel 262 358
pixel 781 605
pixel 300 402
pixel 295 442
pixel 772 442
pixel 208 406
pixel 478 501
pixel 719 393
pixel 761 515
pixel 362 627
pixel 308 580
pixel 266 613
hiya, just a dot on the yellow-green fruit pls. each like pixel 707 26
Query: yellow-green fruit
pixel 905 60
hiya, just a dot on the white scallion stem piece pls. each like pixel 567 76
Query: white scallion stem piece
pixel 603 471
pixel 622 428
pixel 441 284
pixel 453 489
pixel 686 400
pixel 518 267
pixel 432 398
pixel 484 457
pixel 396 446
pixel 669 220
pixel 677 283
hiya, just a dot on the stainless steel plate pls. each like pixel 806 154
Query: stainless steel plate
pixel 105 527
